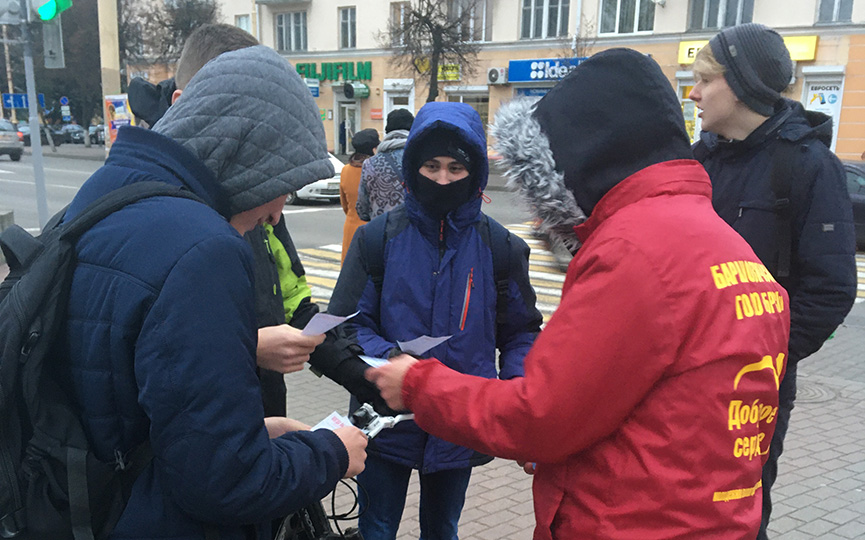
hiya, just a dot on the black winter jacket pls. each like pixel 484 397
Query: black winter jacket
pixel 822 281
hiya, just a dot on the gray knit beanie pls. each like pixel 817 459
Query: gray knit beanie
pixel 758 65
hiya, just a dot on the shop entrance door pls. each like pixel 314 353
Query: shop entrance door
pixel 347 125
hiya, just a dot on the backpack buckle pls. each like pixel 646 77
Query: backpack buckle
pixel 781 206
pixel 12 524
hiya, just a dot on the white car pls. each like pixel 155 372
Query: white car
pixel 320 190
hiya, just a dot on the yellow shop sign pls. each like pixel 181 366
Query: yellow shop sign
pixel 800 47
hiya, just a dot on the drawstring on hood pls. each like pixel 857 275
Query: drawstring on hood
pixel 248 116
pixel 613 115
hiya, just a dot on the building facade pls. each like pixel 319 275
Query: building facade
pixel 528 45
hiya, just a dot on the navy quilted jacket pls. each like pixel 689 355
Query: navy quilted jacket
pixel 822 281
pixel 161 341
pixel 438 281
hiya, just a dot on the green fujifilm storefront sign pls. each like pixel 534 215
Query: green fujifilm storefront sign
pixel 334 71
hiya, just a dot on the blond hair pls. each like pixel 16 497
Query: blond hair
pixel 705 64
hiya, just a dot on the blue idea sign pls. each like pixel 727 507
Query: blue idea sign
pixel 20 101
pixel 541 70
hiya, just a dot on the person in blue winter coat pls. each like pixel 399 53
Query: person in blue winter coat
pixel 161 331
pixel 438 280
pixel 777 183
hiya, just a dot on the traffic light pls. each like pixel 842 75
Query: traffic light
pixel 48 9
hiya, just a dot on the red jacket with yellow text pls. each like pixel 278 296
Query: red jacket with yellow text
pixel 649 399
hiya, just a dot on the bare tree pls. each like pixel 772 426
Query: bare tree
pixel 426 34
pixel 580 44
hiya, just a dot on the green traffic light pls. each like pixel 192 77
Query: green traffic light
pixel 52 8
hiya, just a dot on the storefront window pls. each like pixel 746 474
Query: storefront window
pixel 627 16
pixel 720 13
pixel 835 11
pixel 291 31
pixel 480 103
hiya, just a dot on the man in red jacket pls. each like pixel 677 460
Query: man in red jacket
pixel 649 399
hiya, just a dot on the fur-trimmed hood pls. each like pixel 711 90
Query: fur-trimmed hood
pixel 613 115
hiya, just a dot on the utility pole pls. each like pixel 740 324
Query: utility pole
pixel 9 71
pixel 35 129
pixel 109 47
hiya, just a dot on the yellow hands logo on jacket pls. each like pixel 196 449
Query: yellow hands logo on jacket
pixel 776 366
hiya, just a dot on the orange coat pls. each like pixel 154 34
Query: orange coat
pixel 349 182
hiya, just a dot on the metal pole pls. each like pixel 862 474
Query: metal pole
pixel 9 71
pixel 35 133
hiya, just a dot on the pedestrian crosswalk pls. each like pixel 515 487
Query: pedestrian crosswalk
pixel 322 266
pixel 322 269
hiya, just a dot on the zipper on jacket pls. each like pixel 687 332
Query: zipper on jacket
pixel 469 286
pixel 441 239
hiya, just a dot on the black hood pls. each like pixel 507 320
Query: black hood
pixel 613 115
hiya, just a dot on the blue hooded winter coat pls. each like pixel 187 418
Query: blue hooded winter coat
pixel 438 281
pixel 161 342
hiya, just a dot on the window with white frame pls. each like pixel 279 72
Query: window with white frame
pixel 475 22
pixel 347 28
pixel 544 19
pixel 291 31
pixel 835 11
pixel 398 17
pixel 243 22
pixel 627 16
pixel 720 13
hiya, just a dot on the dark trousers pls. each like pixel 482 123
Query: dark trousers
pixel 442 495
pixel 786 397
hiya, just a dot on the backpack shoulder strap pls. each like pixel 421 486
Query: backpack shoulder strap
pixel 117 199
pixel 781 180
pixel 375 238
pixel 498 238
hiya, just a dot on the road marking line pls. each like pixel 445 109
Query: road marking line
pixel 32 183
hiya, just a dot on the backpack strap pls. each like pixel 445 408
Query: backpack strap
pixel 498 238
pixel 19 247
pixel 781 181
pixel 119 198
pixel 375 238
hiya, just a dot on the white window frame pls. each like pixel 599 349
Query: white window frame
pixel 348 27
pixel 635 30
pixel 721 16
pixel 244 22
pixel 562 22
pixel 402 6
pixel 286 23
pixel 456 9
pixel 836 12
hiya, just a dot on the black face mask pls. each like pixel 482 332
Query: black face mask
pixel 438 200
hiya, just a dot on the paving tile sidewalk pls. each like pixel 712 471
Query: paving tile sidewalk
pixel 820 492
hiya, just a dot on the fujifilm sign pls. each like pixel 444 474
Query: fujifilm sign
pixel 541 70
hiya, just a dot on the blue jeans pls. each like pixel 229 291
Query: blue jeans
pixel 382 500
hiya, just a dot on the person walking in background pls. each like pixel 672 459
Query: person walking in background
pixel 777 183
pixel 442 258
pixel 381 186
pixel 646 402
pixel 342 137
pixel 364 142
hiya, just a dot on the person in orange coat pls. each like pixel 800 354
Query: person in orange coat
pixel 365 142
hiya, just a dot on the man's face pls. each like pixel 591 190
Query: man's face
pixel 443 170
pixel 270 212
pixel 717 102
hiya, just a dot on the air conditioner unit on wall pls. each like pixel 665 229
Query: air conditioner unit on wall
pixel 497 75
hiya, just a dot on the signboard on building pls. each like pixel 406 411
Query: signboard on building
pixel 800 47
pixel 541 69
pixel 313 85
pixel 376 114
pixel 117 115
pixel 824 97
pixel 334 71
pixel 447 72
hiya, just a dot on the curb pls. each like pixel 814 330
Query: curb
pixel 46 152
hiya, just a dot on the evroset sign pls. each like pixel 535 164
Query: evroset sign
pixel 802 48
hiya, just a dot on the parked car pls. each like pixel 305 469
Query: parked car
pixel 10 143
pixel 73 134
pixel 56 136
pixel 320 190
pixel 856 187
pixel 97 134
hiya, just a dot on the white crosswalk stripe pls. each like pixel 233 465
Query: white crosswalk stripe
pixel 322 266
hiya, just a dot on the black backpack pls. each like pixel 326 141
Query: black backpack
pixel 51 485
